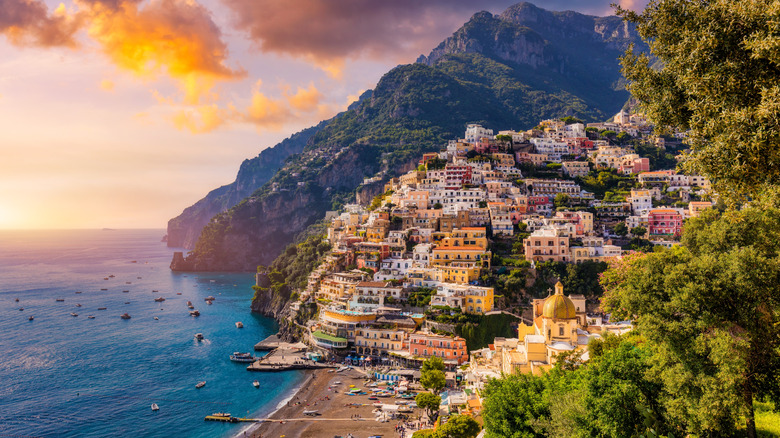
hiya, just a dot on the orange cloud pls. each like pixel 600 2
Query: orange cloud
pixel 28 23
pixel 175 37
pixel 305 99
pixel 200 119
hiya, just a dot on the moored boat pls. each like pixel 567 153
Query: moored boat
pixel 256 384
pixel 239 324
pixel 159 299
pixel 90 317
pixel 102 308
pixel 125 316
pixel 59 300
pixel 209 298
pixel 201 384
pixel 74 314
pixel 194 313
pixel 243 357
pixel 155 407
pixel 30 318
pixel 199 336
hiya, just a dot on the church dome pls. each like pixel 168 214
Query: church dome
pixel 559 306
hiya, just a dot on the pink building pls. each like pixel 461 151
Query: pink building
pixel 664 221
pixel 636 165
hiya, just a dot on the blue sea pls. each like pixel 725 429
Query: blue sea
pixel 63 375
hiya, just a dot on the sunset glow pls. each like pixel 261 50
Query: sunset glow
pixel 122 113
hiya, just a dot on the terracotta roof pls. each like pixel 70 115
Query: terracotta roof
pixel 372 284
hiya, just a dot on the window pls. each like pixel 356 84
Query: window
pixel 560 331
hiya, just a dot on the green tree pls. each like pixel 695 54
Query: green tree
pixel 458 426
pixel 718 78
pixel 570 120
pixel 620 229
pixel 639 231
pixel 438 206
pixel 428 401
pixel 711 312
pixel 512 405
pixel 561 200
pixel 432 374
pixel 623 138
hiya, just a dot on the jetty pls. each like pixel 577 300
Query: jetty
pixel 270 343
pixel 285 357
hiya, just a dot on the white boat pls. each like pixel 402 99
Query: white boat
pixel 256 384
pixel 239 324
pixel 201 384
pixel 199 336
pixel 194 313
pixel 311 413
pixel 156 318
pixel 243 357
pixel 155 407
pixel 74 314
pixel 90 317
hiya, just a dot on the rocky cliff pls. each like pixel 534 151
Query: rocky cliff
pixel 184 230
pixel 506 72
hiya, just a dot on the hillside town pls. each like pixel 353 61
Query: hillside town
pixel 402 269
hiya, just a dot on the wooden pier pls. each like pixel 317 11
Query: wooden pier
pixel 286 357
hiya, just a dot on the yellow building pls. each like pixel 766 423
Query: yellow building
pixel 459 272
pixel 378 341
pixel 445 255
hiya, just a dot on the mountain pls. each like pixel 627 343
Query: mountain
pixel 184 229
pixel 507 72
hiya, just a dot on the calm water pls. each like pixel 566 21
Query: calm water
pixel 72 376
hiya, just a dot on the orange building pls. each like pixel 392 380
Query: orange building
pixel 448 348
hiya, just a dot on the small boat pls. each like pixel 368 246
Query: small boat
pixel 59 300
pixel 78 292
pixel 138 278
pixel 155 290
pixel 201 384
pixel 220 414
pixel 191 307
pixel 243 357
pixel 256 384
pixel 21 308
pixel 156 318
pixel 103 289
pixel 17 300
pixel 125 291
pixel 105 278
pixel 178 293
pixel 111 276
pixel 90 317
pixel 30 318
pixel 194 313
pixel 78 305
pixel 133 261
pixel 199 336
pixel 155 407
pixel 125 316
pixel 189 303
pixel 210 302
pixel 373 398
pixel 239 324
pixel 102 308
pixel 209 298
pixel 74 314
pixel 159 299
pixel 127 302
pixel 128 282
pixel 311 413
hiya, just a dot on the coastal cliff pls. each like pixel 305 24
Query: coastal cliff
pixel 509 71
pixel 184 230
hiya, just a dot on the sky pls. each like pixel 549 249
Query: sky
pixel 121 113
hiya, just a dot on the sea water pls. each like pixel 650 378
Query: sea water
pixel 64 375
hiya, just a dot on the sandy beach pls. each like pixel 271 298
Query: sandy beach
pixel 337 413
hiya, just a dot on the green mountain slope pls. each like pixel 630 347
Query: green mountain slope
pixel 495 71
